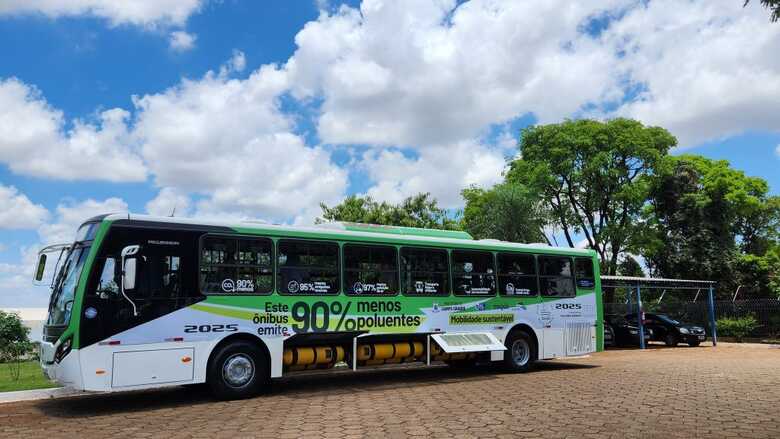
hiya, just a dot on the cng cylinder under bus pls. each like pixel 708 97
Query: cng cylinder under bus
pixel 437 354
pixel 312 357
pixel 324 357
pixel 388 353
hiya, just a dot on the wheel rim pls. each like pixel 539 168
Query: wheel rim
pixel 521 352
pixel 238 370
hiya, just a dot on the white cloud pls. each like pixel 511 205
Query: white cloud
pixel 777 150
pixel 237 63
pixel 441 170
pixel 70 215
pixel 227 140
pixel 16 288
pixel 427 72
pixel 18 212
pixel 167 202
pixel 180 41
pixel 147 13
pixel 707 69
pixel 34 140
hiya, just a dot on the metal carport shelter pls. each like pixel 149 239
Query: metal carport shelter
pixel 637 284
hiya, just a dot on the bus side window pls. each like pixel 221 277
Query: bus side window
pixel 236 265
pixel 307 267
pixel 473 273
pixel 255 266
pixel 108 284
pixel 556 276
pixel 517 274
pixel 370 270
pixel 583 270
pixel 424 272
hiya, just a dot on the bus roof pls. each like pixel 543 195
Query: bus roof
pixel 356 232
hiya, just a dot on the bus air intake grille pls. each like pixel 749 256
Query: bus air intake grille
pixel 468 342
pixel 580 338
pixel 466 339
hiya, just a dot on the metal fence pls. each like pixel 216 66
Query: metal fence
pixel 765 311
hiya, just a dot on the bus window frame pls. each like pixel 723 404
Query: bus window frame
pixel 589 259
pixel 536 275
pixel 402 287
pixel 237 236
pixel 339 267
pixel 452 272
pixel 344 287
pixel 542 276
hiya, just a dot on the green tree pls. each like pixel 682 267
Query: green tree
pixel 507 211
pixel 772 5
pixel 628 266
pixel 707 220
pixel 593 178
pixel 759 275
pixel 14 341
pixel 416 211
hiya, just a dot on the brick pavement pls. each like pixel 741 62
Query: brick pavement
pixel 730 391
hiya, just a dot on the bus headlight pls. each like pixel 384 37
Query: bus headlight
pixel 63 349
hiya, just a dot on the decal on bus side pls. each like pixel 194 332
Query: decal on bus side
pixel 568 306
pixel 230 327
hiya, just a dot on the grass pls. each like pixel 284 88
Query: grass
pixel 30 377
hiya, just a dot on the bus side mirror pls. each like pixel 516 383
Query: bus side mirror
pixel 128 277
pixel 40 268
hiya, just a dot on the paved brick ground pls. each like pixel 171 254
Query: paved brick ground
pixel 730 391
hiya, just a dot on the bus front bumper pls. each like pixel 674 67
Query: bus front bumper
pixel 67 372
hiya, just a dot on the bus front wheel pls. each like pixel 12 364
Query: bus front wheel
pixel 520 353
pixel 238 370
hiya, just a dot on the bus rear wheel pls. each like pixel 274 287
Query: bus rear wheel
pixel 520 353
pixel 238 370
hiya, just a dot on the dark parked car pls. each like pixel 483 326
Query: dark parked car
pixel 671 331
pixel 619 332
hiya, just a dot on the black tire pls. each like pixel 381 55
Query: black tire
pixel 694 343
pixel 671 340
pixel 520 353
pixel 238 370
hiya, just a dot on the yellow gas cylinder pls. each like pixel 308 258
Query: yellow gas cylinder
pixel 438 354
pixel 312 357
pixel 387 353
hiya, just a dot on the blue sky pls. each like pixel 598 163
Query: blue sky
pixel 246 109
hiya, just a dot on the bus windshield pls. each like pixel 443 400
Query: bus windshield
pixel 64 287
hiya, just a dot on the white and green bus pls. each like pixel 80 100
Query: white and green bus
pixel 140 302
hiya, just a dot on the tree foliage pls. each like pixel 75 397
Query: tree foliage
pixel 508 211
pixel 593 178
pixel 416 211
pixel 628 266
pixel 707 220
pixel 772 5
pixel 14 341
